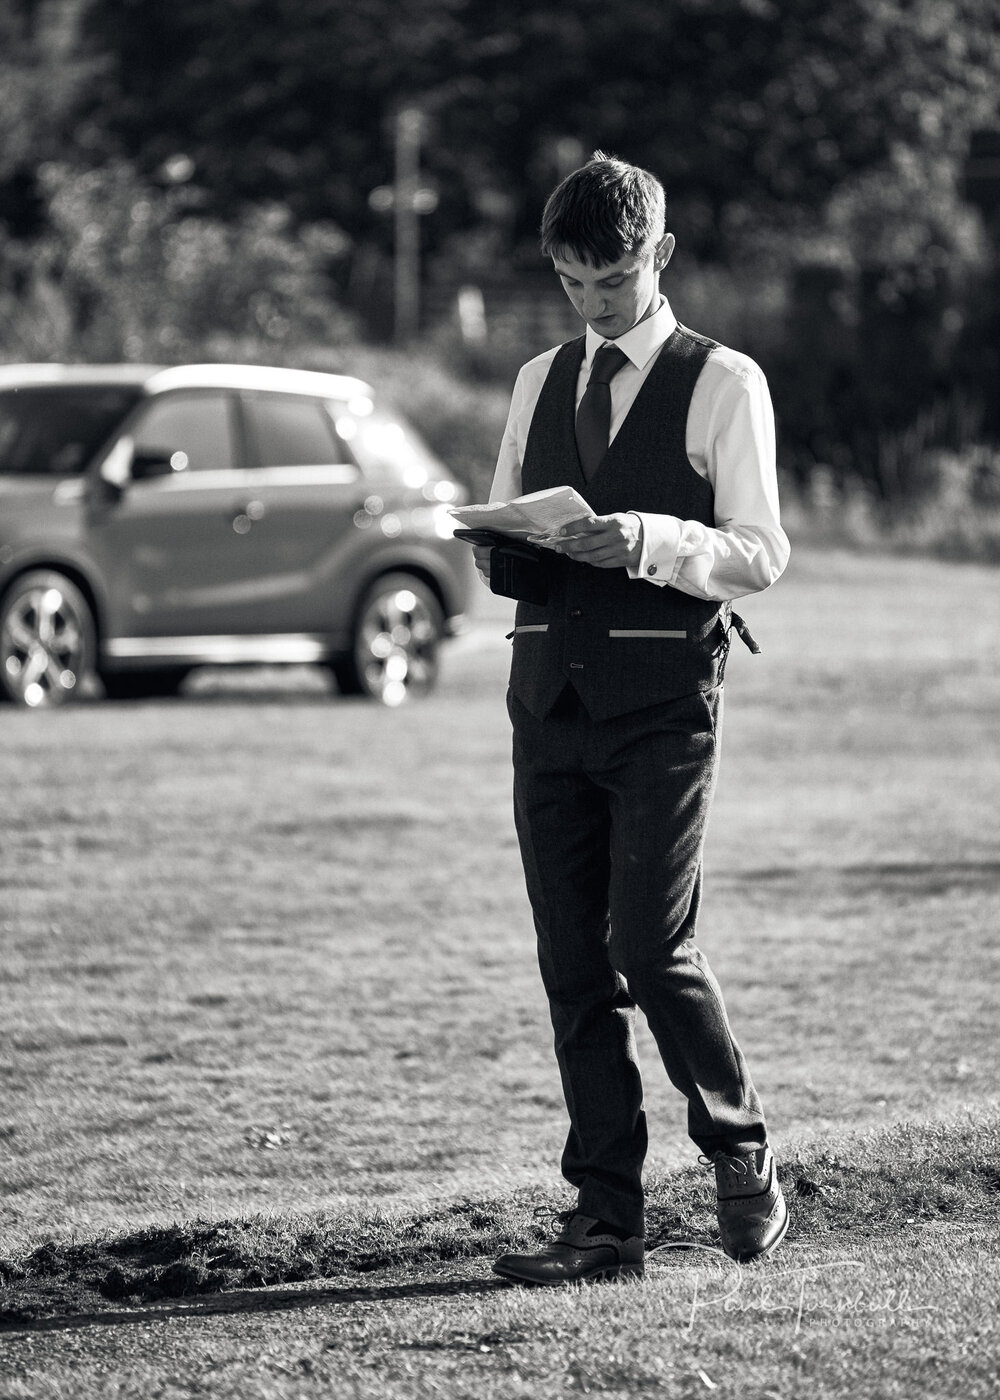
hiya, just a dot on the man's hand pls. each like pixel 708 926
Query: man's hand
pixel 481 553
pixel 606 541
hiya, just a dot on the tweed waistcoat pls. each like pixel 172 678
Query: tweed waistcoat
pixel 622 643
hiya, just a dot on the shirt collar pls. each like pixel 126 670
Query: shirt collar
pixel 643 341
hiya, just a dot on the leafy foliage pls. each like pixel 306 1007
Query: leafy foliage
pixel 127 273
pixel 748 110
pixel 817 150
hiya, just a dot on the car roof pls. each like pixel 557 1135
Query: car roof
pixel 157 379
pixel 28 376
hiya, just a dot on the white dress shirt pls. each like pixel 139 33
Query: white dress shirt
pixel 730 442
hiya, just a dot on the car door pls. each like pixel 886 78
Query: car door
pixel 175 550
pixel 308 495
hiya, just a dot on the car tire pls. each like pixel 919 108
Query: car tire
pixel 156 683
pixel 47 638
pixel 397 636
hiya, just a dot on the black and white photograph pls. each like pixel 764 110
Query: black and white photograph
pixel 499 699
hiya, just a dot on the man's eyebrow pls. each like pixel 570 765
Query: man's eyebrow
pixel 608 276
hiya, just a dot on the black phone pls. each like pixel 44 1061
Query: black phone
pixel 491 537
pixel 517 570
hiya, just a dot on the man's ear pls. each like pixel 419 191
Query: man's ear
pixel 664 251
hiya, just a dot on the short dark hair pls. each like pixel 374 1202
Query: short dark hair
pixel 604 211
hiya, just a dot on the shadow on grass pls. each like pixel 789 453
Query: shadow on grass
pixel 900 877
pixel 870 1186
pixel 262 1301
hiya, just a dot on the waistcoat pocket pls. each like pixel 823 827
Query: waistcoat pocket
pixel 660 633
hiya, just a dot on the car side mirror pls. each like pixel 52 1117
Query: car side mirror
pixel 157 461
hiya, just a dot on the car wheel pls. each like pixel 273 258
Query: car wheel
pixel 397 635
pixel 46 640
pixel 144 685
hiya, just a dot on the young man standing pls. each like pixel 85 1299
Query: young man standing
pixel 615 699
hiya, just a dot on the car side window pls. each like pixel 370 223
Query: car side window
pixel 199 425
pixel 284 431
pixel 55 429
pixel 385 447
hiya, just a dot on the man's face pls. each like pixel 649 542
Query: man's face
pixel 616 296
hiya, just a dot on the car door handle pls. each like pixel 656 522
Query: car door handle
pixel 243 520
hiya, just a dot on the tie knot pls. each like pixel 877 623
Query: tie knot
pixel 607 362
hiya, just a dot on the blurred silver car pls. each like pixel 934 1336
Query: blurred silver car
pixel 153 520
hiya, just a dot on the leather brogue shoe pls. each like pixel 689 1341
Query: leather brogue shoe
pixel 584 1251
pixel 752 1214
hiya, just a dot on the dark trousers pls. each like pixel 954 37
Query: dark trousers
pixel 611 820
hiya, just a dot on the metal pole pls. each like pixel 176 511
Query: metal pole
pixel 409 130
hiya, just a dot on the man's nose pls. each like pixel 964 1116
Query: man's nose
pixel 594 304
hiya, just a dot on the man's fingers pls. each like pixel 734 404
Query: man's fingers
pixel 592 544
pixel 594 555
pixel 481 555
pixel 604 542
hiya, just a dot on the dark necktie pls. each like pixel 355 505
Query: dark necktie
pixel 593 417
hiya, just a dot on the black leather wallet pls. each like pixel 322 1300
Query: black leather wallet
pixel 517 570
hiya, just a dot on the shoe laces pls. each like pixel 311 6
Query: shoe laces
pixel 553 1217
pixel 739 1165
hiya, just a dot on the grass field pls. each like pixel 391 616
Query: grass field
pixel 268 966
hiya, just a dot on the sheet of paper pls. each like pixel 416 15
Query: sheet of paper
pixel 539 513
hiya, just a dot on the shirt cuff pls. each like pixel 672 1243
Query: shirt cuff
pixel 661 541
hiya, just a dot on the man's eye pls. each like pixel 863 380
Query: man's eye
pixel 612 285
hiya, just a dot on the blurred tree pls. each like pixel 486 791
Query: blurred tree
pixel 42 76
pixel 126 273
pixel 270 99
pixel 751 112
pixel 814 148
pixel 880 305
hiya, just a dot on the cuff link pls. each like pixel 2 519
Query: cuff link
pixel 651 569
